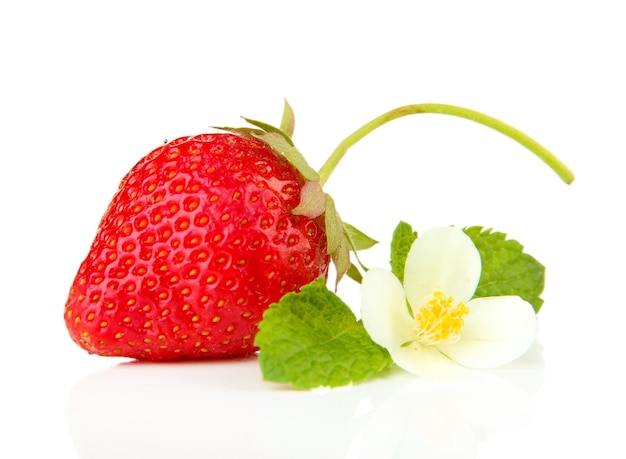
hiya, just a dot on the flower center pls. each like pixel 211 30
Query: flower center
pixel 439 320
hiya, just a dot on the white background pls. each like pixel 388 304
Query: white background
pixel 87 88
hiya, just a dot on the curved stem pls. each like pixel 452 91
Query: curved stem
pixel 552 161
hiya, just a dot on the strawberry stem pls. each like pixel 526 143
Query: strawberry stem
pixel 552 161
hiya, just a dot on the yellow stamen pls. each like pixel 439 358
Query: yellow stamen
pixel 439 320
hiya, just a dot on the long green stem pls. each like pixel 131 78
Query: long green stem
pixel 552 161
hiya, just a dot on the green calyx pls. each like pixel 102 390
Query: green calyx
pixel 343 238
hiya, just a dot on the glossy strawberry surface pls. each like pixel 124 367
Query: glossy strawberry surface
pixel 196 244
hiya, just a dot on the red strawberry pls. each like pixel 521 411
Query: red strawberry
pixel 197 242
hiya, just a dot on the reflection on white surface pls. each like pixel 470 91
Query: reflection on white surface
pixel 224 409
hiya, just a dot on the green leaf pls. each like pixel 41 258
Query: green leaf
pixel 311 339
pixel 506 269
pixel 403 238
pixel 358 239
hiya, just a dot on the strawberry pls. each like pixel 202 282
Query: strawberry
pixel 198 241
pixel 205 232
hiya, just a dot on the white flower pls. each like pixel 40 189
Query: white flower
pixel 432 323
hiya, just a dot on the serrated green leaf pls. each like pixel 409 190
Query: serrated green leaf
pixel 402 239
pixel 506 269
pixel 311 339
pixel 358 239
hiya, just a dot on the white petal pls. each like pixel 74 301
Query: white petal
pixel 497 331
pixel 442 259
pixel 384 310
pixel 425 361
